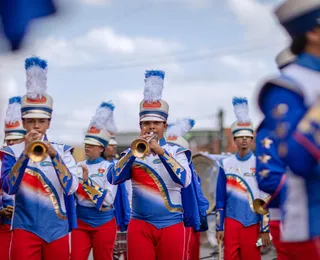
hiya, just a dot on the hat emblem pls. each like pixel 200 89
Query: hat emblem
pixel 13 125
pixel 94 130
pixel 41 100
pixel 172 138
pixel 151 104
pixel 244 124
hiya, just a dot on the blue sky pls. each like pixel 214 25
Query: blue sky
pixel 98 50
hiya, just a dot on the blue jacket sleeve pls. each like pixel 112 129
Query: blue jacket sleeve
pixel 294 129
pixel 12 171
pixel 178 168
pixel 121 171
pixel 270 168
pixel 221 198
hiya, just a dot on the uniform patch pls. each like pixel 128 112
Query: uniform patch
pixel 156 161
pixel 45 164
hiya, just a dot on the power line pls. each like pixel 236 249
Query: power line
pixel 192 57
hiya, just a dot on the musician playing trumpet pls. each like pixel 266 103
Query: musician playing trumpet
pixel 156 229
pixel 238 225
pixel 44 206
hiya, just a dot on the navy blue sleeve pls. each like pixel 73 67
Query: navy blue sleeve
pixel 286 118
pixel 221 198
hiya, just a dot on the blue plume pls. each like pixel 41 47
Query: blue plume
pixel 35 61
pixel 108 105
pixel 16 99
pixel 157 73
pixel 192 122
pixel 239 100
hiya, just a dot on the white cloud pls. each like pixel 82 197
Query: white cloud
pixel 258 18
pixel 248 67
pixel 105 46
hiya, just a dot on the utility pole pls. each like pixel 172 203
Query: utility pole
pixel 221 131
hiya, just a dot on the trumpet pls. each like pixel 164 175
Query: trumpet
pixel 140 146
pixel 260 205
pixel 37 151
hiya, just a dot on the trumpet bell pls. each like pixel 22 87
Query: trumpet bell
pixel 37 151
pixel 140 148
pixel 259 206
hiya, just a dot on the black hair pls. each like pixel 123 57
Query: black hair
pixel 298 44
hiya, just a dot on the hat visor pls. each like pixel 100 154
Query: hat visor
pixel 92 142
pixel 152 118
pixel 13 137
pixel 243 133
pixel 36 115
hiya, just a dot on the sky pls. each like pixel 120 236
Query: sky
pixel 98 50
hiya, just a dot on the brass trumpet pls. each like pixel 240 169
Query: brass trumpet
pixel 37 151
pixel 260 205
pixel 140 146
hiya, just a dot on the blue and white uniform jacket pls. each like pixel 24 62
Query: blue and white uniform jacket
pixel 156 184
pixel 95 196
pixel 236 190
pixel 42 190
pixel 291 107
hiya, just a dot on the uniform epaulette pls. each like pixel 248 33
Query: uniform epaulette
pixel 6 150
pixel 281 81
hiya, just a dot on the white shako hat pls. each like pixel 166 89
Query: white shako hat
pixel 102 126
pixel 152 107
pixel 243 126
pixel 36 103
pixel 13 124
pixel 176 131
pixel 299 16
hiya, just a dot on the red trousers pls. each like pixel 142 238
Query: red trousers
pixel 275 233
pixel 303 250
pixel 5 240
pixel 28 246
pixel 192 244
pixel 147 242
pixel 101 239
pixel 240 241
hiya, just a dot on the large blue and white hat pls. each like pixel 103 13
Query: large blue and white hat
pixel 13 124
pixel 299 16
pixel 152 107
pixel 102 126
pixel 176 131
pixel 243 126
pixel 36 103
pixel 285 58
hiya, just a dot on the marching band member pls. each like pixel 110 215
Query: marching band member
pixel 156 228
pixel 195 221
pixel 44 207
pixel 237 223
pixel 290 104
pixel 95 196
pixel 14 134
pixel 111 150
pixel 271 174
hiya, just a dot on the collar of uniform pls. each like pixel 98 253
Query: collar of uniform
pixel 309 61
pixel 162 141
pixel 94 161
pixel 244 158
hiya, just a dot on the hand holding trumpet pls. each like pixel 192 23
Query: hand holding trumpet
pixel 154 146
